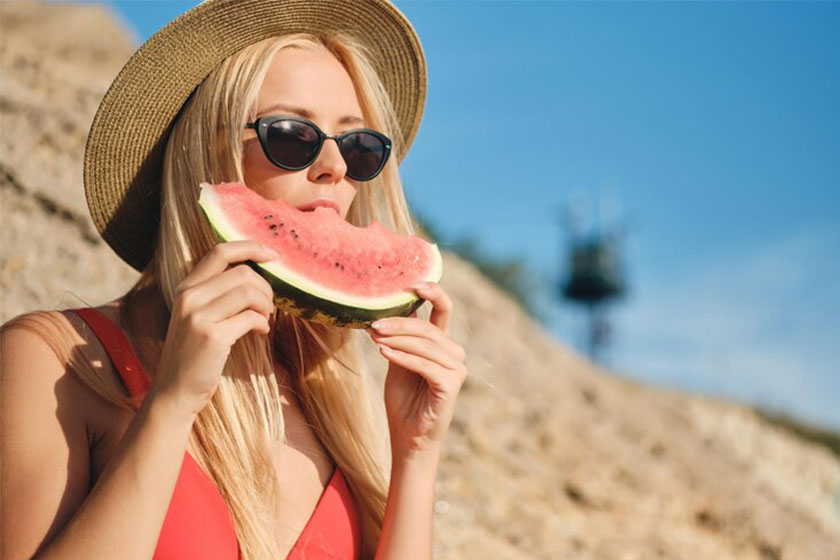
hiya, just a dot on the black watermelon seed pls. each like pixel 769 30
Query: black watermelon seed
pixel 281 224
pixel 268 216
pixel 272 226
pixel 336 264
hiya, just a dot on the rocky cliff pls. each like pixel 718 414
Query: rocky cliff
pixel 548 456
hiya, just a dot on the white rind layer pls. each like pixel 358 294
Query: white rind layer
pixel 208 201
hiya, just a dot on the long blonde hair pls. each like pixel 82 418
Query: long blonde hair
pixel 236 433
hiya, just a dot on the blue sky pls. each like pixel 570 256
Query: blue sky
pixel 712 130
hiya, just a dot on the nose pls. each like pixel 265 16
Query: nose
pixel 329 166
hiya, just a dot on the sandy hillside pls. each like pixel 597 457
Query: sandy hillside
pixel 548 456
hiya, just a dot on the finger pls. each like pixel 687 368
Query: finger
pixel 416 327
pixel 419 346
pixel 244 322
pixel 435 374
pixel 200 294
pixel 221 255
pixel 441 304
pixel 229 279
pixel 232 302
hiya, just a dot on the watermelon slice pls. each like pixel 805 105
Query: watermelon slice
pixel 329 271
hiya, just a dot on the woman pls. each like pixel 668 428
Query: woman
pixel 190 418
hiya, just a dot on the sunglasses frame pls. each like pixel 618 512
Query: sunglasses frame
pixel 262 124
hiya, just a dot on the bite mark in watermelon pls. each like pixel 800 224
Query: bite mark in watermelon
pixel 329 271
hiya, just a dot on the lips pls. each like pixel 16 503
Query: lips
pixel 309 206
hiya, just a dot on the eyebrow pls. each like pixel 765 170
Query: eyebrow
pixel 306 113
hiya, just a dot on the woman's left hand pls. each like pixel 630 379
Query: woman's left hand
pixel 425 373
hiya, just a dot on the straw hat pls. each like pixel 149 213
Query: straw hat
pixel 124 150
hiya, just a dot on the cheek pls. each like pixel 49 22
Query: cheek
pixel 254 161
pixel 263 177
pixel 349 199
pixel 258 171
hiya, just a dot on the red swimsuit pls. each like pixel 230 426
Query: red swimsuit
pixel 198 524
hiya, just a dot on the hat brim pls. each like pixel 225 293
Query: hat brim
pixel 124 150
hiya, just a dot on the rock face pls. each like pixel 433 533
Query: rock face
pixel 548 456
pixel 57 62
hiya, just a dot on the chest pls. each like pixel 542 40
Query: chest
pixel 303 465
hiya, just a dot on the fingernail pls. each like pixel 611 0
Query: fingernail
pixel 380 324
pixel 420 285
pixel 271 252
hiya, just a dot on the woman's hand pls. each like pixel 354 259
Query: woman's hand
pixel 215 304
pixel 425 373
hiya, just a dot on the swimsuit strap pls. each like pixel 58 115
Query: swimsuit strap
pixel 119 348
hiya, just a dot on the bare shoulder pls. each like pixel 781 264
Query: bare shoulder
pixel 44 435
pixel 36 349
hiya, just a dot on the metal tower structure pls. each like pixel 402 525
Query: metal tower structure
pixel 593 275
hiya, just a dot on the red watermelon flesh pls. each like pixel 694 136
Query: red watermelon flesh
pixel 362 268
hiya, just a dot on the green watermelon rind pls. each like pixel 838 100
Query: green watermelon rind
pixel 315 302
pixel 299 302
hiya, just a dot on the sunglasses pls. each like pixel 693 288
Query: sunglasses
pixel 294 143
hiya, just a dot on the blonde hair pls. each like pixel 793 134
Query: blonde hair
pixel 235 434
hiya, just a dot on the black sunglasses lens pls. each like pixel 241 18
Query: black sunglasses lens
pixel 363 153
pixel 292 143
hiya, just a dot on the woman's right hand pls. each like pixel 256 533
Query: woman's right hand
pixel 215 304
